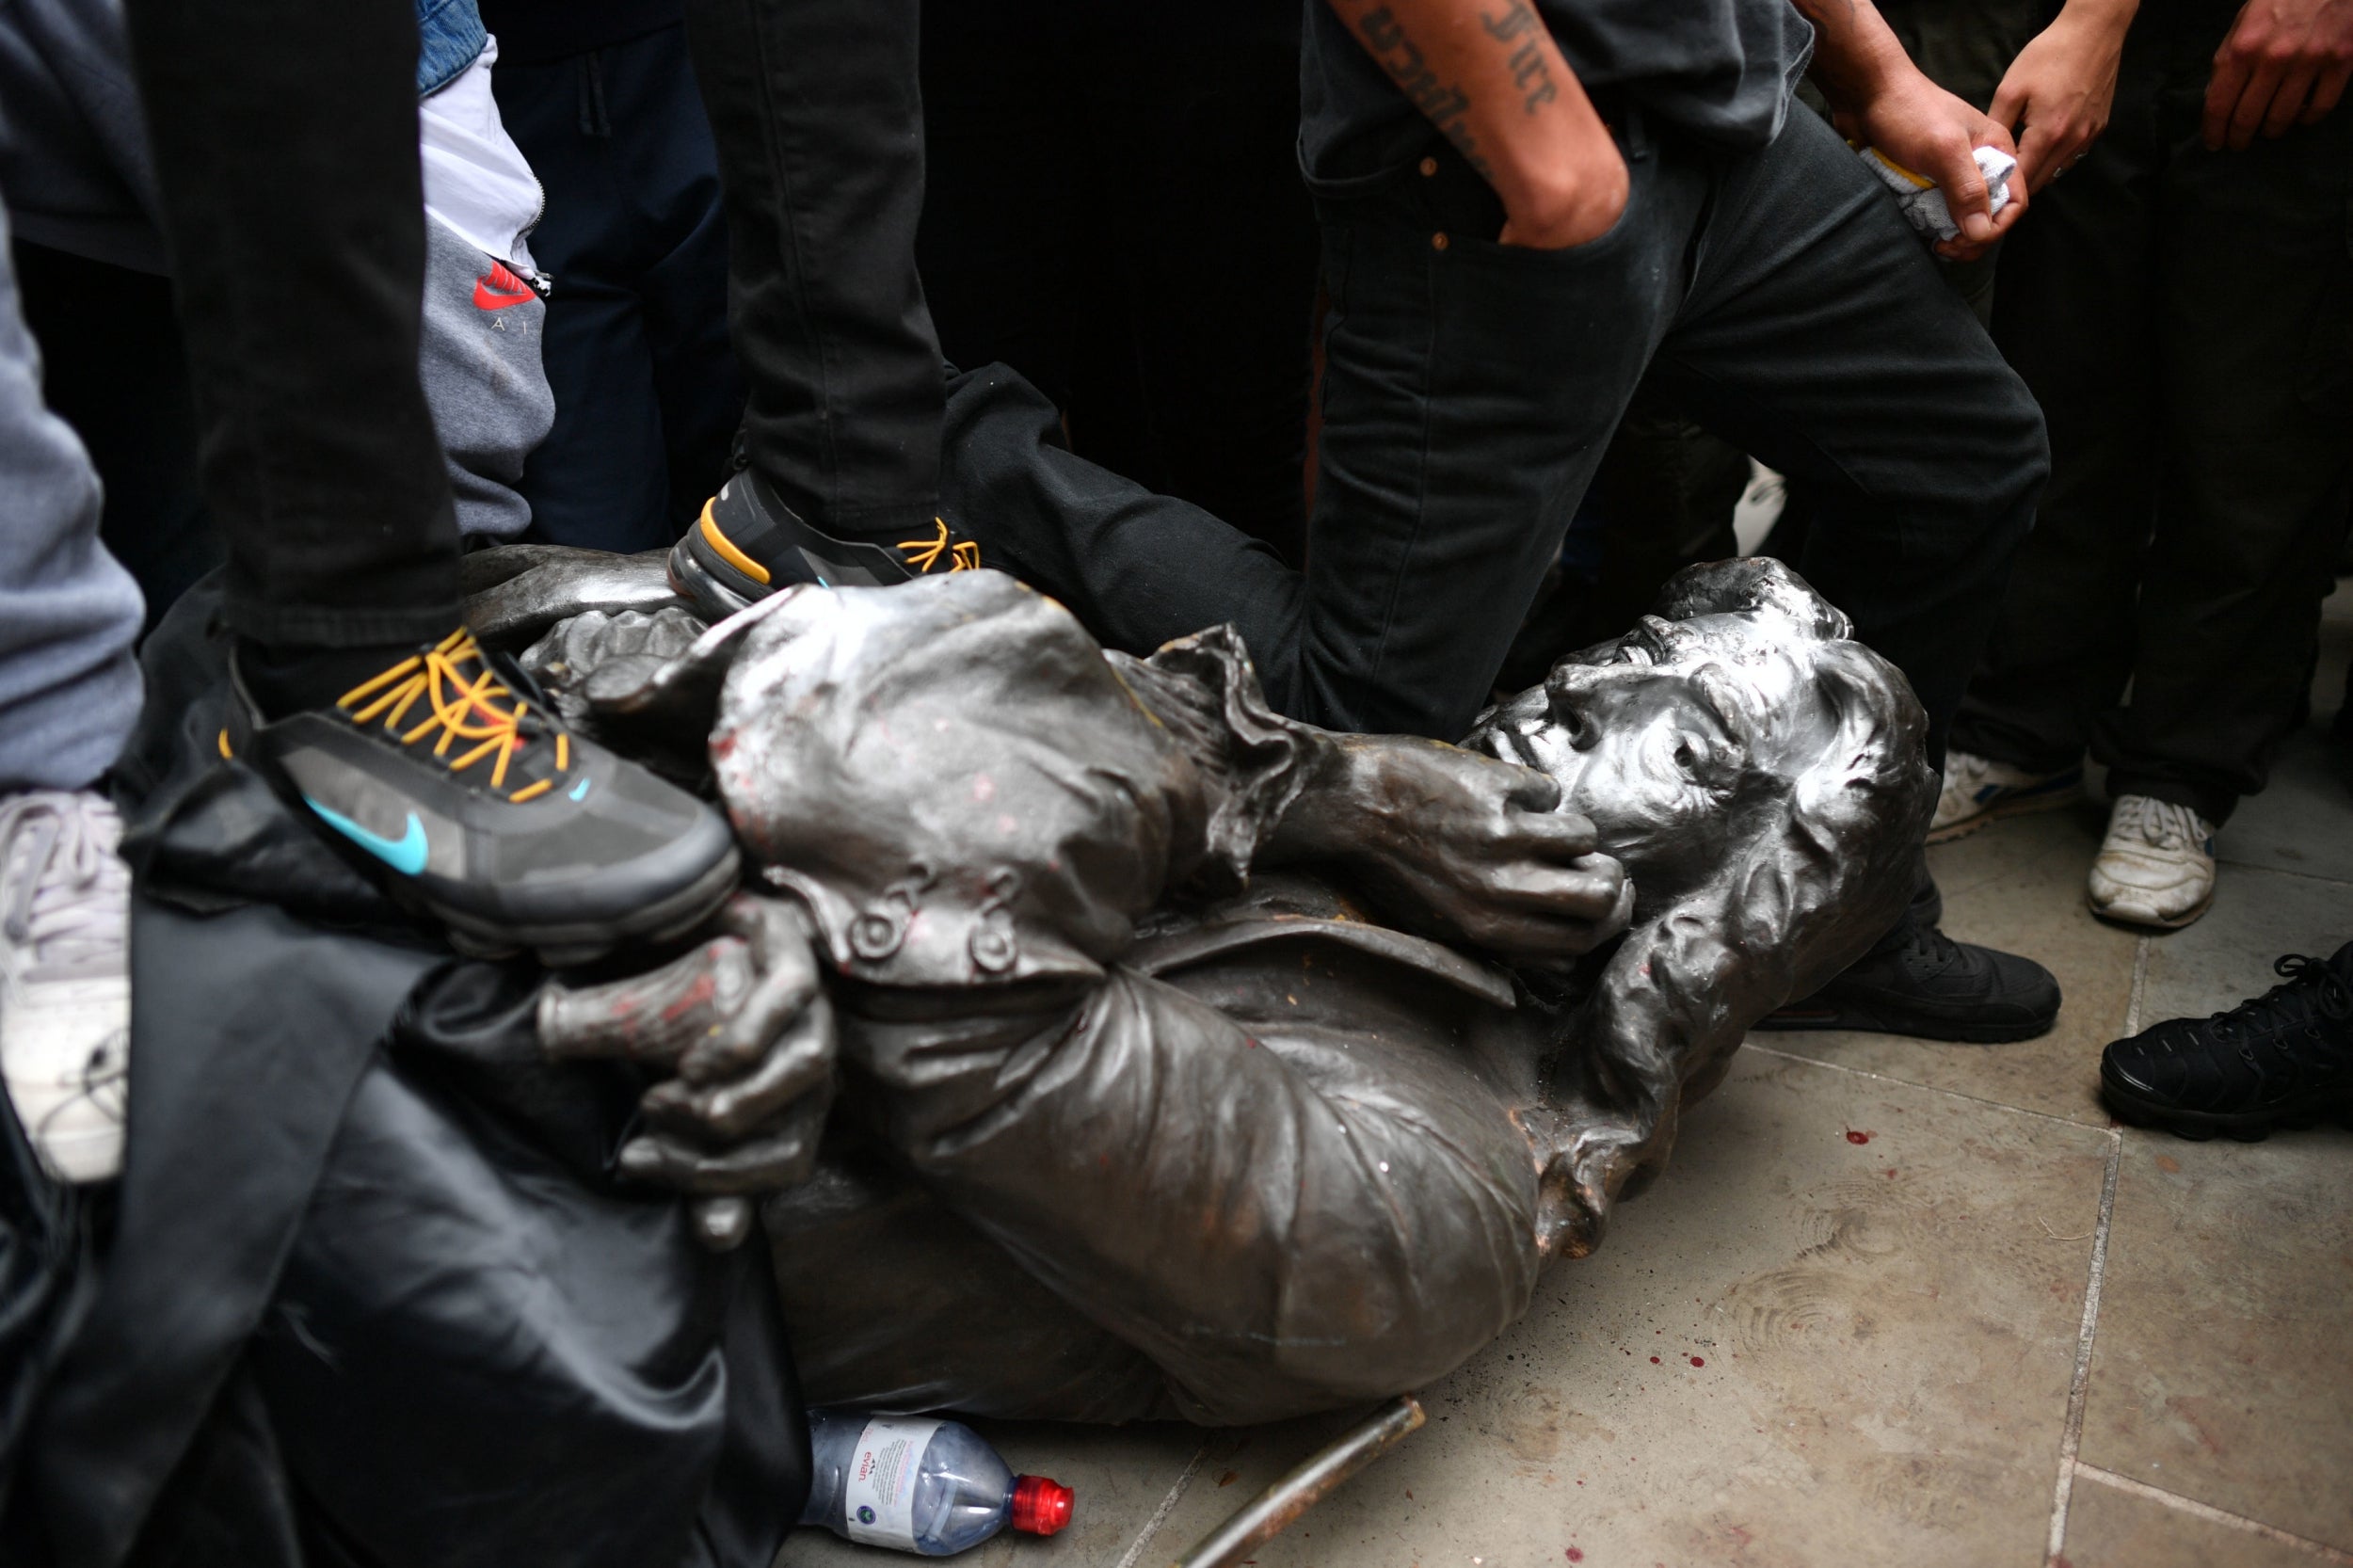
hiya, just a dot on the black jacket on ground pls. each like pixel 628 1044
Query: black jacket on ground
pixel 371 1296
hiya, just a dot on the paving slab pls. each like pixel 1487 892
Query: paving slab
pixel 1841 1329
pixel 2220 1369
pixel 2108 1529
pixel 2227 956
pixel 2303 821
pixel 2018 886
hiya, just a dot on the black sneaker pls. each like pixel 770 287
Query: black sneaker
pixel 749 544
pixel 448 769
pixel 1932 989
pixel 2283 1059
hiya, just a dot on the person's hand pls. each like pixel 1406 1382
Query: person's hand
pixel 1580 202
pixel 1465 846
pixel 2286 63
pixel 2060 88
pixel 744 1025
pixel 1919 125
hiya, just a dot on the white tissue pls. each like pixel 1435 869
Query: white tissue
pixel 1924 204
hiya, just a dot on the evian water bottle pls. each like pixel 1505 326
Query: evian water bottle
pixel 915 1484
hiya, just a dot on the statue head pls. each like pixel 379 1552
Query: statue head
pixel 1762 779
pixel 1738 717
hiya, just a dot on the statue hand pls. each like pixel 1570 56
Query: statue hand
pixel 1465 846
pixel 743 1024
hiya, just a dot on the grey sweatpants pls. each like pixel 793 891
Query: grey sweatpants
pixel 69 688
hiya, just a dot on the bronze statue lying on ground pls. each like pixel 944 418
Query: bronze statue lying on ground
pixel 1192 1062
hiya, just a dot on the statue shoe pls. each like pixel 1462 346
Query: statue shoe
pixel 65 978
pixel 748 544
pixel 1928 985
pixel 2283 1059
pixel 448 771
pixel 2155 867
pixel 1982 789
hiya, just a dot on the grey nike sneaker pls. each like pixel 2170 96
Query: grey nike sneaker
pixel 449 771
pixel 65 978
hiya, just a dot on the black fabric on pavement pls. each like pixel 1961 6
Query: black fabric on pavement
pixel 364 1233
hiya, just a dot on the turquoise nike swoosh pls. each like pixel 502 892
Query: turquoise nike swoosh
pixel 405 854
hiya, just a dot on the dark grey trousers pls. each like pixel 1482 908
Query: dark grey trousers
pixel 2187 319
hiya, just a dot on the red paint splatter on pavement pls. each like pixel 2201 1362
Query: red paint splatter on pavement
pixel 1654 1361
pixel 1854 1137
pixel 1698 1361
pixel 1575 1556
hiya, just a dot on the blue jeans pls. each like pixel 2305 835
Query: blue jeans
pixel 68 689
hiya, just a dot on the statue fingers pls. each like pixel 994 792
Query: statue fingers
pixel 721 1224
pixel 1557 836
pixel 779 1156
pixel 785 992
pixel 798 1062
pixel 1587 888
pixel 653 1017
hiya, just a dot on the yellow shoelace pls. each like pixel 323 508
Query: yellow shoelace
pixel 923 554
pixel 463 708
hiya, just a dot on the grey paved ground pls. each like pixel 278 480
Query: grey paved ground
pixel 1999 1332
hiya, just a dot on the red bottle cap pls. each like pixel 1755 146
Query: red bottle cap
pixel 1040 1506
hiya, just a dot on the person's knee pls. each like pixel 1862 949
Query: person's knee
pixel 2009 462
pixel 2028 449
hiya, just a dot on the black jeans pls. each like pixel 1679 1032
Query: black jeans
pixel 285 139
pixel 1469 390
pixel 1113 209
pixel 2187 318
pixel 647 394
pixel 818 119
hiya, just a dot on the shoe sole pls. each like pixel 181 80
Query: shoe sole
pixel 711 585
pixel 1864 1021
pixel 2129 923
pixel 564 945
pixel 2199 1127
pixel 2022 806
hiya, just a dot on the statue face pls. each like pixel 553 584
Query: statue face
pixel 1650 735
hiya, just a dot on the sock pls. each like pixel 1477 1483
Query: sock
pixel 286 677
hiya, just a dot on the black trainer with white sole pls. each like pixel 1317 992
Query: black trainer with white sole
pixel 2280 1060
pixel 748 544
pixel 449 772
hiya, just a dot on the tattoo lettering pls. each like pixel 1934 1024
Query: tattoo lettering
pixel 1443 104
pixel 1518 26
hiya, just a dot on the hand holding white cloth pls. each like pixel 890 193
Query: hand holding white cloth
pixel 1923 203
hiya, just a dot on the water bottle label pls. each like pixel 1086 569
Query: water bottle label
pixel 878 1493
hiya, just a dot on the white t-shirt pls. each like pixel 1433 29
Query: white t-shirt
pixel 476 181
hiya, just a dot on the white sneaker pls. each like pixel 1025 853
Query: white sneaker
pixel 2156 867
pixel 1978 790
pixel 65 978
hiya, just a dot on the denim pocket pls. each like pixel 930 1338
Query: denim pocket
pixel 1464 215
pixel 1564 255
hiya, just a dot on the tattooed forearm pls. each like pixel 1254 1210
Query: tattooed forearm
pixel 1445 104
pixel 1517 28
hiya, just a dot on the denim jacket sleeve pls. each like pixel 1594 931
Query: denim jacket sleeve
pixel 448 35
